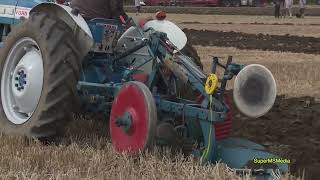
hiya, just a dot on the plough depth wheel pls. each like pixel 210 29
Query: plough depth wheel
pixel 133 119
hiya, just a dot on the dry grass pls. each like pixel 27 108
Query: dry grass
pixel 300 27
pixel 296 74
pixel 86 154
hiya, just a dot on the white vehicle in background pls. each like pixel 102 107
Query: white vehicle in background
pixel 142 3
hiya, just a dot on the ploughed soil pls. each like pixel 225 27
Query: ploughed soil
pixel 253 23
pixel 309 45
pixel 291 129
pixel 257 11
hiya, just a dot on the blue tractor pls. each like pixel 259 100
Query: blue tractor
pixel 52 61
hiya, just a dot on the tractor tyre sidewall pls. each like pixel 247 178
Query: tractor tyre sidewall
pixel 52 37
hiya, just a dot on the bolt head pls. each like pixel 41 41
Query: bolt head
pixel 16 85
pixel 16 78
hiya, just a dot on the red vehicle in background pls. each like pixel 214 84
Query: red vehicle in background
pixel 225 3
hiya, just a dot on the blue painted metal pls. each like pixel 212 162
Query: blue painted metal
pixel 238 142
pixel 27 4
pixel 23 3
pixel 30 3
pixel 210 144
pixel 189 111
pixel 101 74
pixel 6 20
pixel 107 89
pixel 237 153
pixel 99 27
pixel 9 2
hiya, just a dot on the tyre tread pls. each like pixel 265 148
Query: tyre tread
pixel 62 61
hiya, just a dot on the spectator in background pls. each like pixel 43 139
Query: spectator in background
pixel 282 8
pixel 288 7
pixel 302 4
pixel 277 4
pixel 138 6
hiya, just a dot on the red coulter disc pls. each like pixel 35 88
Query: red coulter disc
pixel 136 100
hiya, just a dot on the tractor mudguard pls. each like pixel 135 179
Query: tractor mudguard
pixel 174 33
pixel 75 22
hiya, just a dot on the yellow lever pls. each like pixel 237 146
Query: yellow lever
pixel 211 84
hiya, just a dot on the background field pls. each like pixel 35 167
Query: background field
pixel 291 129
pixel 312 10
pixel 248 24
pixel 296 74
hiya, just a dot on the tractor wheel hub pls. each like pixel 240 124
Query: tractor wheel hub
pixel 125 122
pixel 22 81
pixel 133 119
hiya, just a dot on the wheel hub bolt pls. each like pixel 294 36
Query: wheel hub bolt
pixel 20 80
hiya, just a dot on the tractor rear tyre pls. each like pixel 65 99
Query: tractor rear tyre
pixel 39 70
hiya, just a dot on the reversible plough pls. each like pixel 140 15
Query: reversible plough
pixel 136 73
